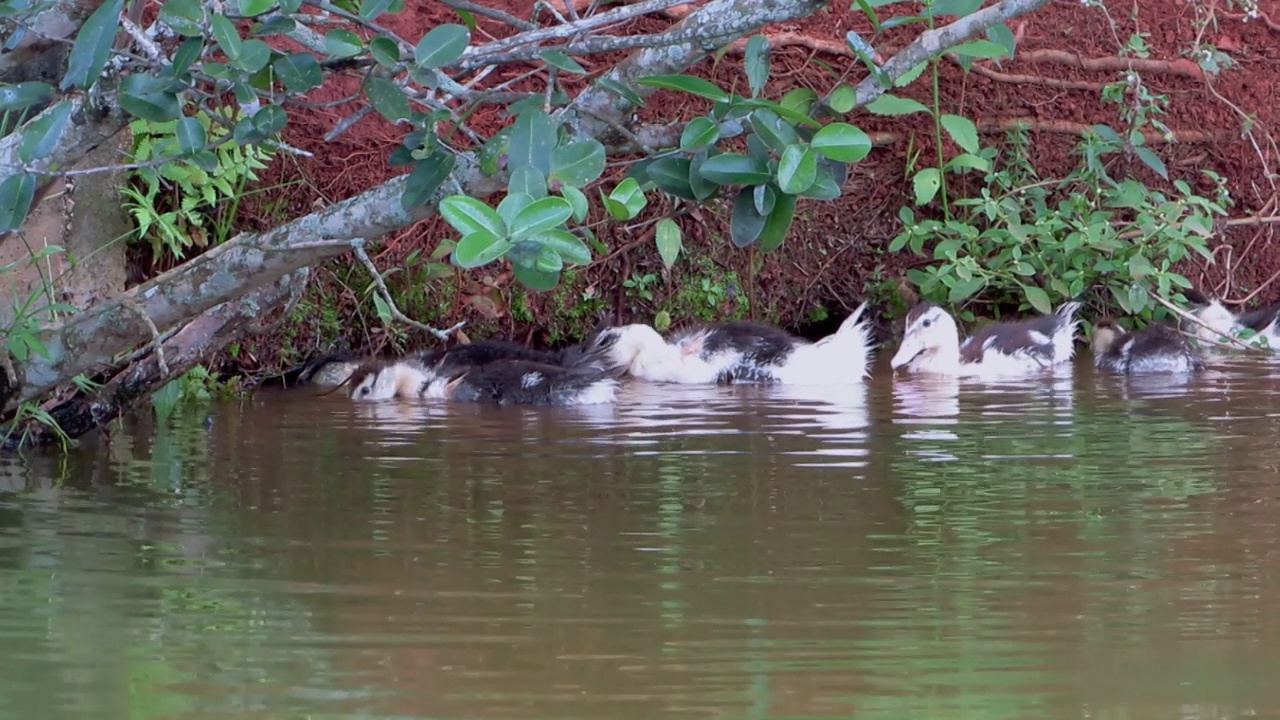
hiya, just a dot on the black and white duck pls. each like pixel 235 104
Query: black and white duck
pixel 931 344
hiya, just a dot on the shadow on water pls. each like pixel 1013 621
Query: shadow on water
pixel 1077 547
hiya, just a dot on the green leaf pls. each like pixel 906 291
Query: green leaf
pixel 555 58
pixel 773 130
pixel 963 289
pixel 253 8
pixel 843 142
pixel 340 42
pixel 191 135
pixel 545 214
pixel 383 309
pixel 894 105
pixel 958 8
pixel 699 133
pixel 529 181
pixel 686 83
pixel 299 72
pixel 843 99
pixel 23 95
pixel 442 46
pixel 620 90
pixel 578 200
pixel 254 55
pixel 1003 36
pixel 479 248
pixel 980 49
pixel 511 206
pixel 426 178
pixel 799 100
pixel 778 223
pixel 370 9
pixel 824 187
pixel 701 188
pixel 1038 299
pixel 910 76
pixel 967 161
pixel 927 182
pixel 1152 160
pixel 671 174
pixel 40 136
pixel 734 168
pixel 548 261
pixel 797 169
pixel 535 279
pixel 577 163
pixel 468 215
pixel 667 236
pixel 746 224
pixel 385 51
pixel 567 245
pixel 187 53
pixel 962 130
pixel 765 198
pixel 387 98
pixel 626 201
pixel 227 36
pixel 16 194
pixel 184 16
pixel 92 47
pixel 533 141
pixel 756 60
pixel 866 55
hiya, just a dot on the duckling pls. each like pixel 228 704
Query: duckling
pixel 1263 322
pixel 741 352
pixel 1154 349
pixel 931 344
pixel 587 380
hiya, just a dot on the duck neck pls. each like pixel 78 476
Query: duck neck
pixel 410 381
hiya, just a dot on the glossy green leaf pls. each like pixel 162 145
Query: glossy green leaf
pixel 797 169
pixel 773 130
pixel 567 245
pixel 927 182
pixel 16 195
pixel 626 201
pixel 188 52
pixel 686 83
pixel 511 206
pixel 387 98
pixel 962 130
pixel 765 198
pixel 23 95
pixel 548 261
pixel 735 168
pixel 534 279
pixel 756 61
pixel 468 215
pixel 799 101
pixel 671 174
pixel 227 37
pixel 824 187
pixel 479 248
pixel 701 188
pixel 254 55
pixel 777 223
pixel 980 49
pixel 184 16
pixel 371 9
pixel 557 59
pixel 40 136
pixel 578 200
pixel 144 96
pixel 699 133
pixel 841 141
pixel 426 178
pixel 578 163
pixel 966 161
pixel 92 46
pixel 843 99
pixel 442 46
pixel 620 90
pixel 964 289
pixel 299 72
pixel 894 105
pixel 745 225
pixel 254 8
pixel 1038 299
pixel 342 43
pixel 533 141
pixel 191 135
pixel 958 8
pixel 1004 37
pixel 385 51
pixel 667 237
pixel 529 181
pixel 545 214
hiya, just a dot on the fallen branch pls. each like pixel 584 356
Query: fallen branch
pixel 381 286
pixel 1181 67
pixel 1015 79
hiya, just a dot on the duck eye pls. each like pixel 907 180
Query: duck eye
pixel 364 390
pixel 926 323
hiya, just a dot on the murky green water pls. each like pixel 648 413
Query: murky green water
pixel 1078 549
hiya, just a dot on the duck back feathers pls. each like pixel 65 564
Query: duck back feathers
pixel 1154 349
pixel 588 380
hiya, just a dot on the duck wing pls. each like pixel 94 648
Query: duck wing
pixel 1031 339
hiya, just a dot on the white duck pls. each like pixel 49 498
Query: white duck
pixel 931 344
pixel 1218 324
pixel 742 352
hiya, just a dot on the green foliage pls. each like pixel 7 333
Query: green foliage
pixel 190 200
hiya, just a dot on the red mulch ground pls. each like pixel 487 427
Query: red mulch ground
pixel 834 249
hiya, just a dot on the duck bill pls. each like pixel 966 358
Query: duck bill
pixel 910 350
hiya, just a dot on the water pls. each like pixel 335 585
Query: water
pixel 1074 548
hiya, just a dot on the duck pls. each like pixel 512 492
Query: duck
pixel 1218 324
pixel 1156 348
pixel 326 371
pixel 741 351
pixel 931 344
pixel 586 380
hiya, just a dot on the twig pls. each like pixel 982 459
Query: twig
pixel 441 335
pixel 148 45
pixel 157 342
pixel 494 13
pixel 345 123
pixel 1255 292
pixel 1016 79
pixel 1188 316
pixel 1181 67
pixel 474 56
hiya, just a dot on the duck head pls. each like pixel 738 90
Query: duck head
pixel 931 339
pixel 1105 334
pixel 387 381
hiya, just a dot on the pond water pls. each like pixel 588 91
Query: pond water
pixel 1074 548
